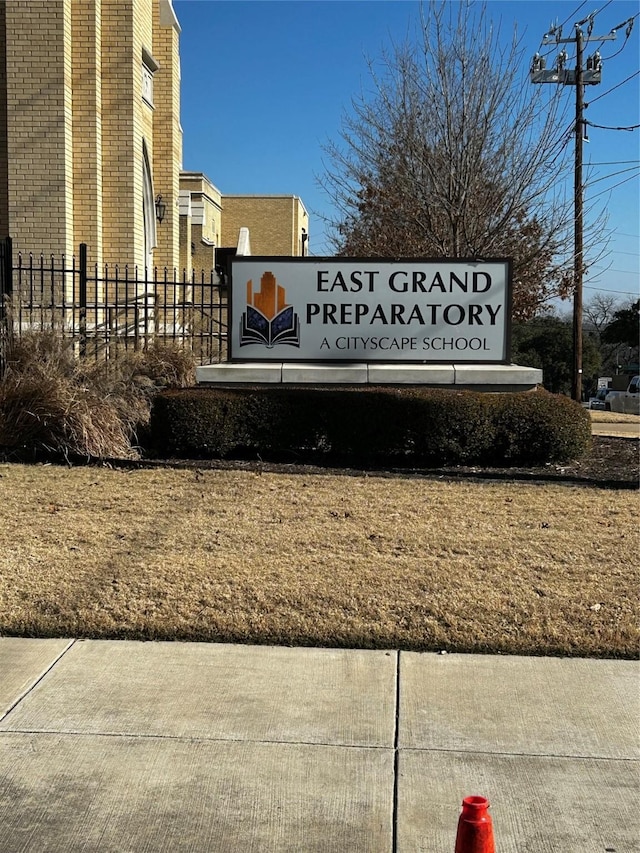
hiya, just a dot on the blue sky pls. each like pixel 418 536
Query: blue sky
pixel 265 85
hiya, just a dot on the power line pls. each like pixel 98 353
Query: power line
pixel 617 53
pixel 608 190
pixel 607 290
pixel 612 163
pixel 613 88
pixel 597 12
pixel 607 127
pixel 612 175
pixel 573 14
pixel 612 269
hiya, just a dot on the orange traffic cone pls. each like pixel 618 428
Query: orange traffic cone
pixel 475 830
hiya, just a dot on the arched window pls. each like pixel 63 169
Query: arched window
pixel 148 209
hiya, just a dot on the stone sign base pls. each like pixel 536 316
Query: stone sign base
pixel 475 377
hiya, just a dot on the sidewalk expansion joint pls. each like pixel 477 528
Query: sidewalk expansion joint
pixel 38 680
pixel 396 759
pixel 192 738
pixel 506 754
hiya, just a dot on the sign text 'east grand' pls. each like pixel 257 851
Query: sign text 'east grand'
pixel 344 309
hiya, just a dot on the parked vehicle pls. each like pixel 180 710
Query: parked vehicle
pixel 598 402
pixel 625 402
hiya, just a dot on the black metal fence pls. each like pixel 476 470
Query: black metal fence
pixel 105 311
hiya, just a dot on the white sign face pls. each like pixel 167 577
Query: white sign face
pixel 370 310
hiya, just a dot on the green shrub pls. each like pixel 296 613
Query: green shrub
pixel 450 427
pixel 538 427
pixel 198 423
pixel 368 425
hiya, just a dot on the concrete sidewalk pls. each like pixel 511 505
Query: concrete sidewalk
pixel 626 430
pixel 126 746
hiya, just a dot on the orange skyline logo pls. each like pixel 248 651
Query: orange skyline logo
pixel 270 299
pixel 268 319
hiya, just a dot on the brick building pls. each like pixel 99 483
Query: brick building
pixel 91 141
pixel 200 221
pixel 90 128
pixel 278 224
pixel 209 219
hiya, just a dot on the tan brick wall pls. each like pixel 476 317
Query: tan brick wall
pixel 86 32
pixel 121 180
pixel 203 255
pixel 167 138
pixel 143 28
pixel 39 125
pixel 205 221
pixel 212 226
pixel 143 24
pixel 4 166
pixel 300 227
pixel 274 223
pixel 128 120
pixel 184 262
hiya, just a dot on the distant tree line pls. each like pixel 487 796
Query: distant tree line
pixel 610 344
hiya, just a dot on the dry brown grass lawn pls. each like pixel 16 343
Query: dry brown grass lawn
pixel 612 423
pixel 327 560
pixel 600 417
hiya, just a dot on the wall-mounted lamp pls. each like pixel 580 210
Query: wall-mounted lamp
pixel 161 208
pixel 304 238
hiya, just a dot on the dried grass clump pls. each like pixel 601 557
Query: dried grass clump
pixel 160 366
pixel 45 349
pixel 53 404
pixel 52 414
pixel 171 367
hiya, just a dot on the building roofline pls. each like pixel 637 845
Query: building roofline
pixel 266 195
pixel 198 176
pixel 168 16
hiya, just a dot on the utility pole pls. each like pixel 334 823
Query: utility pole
pixel 579 77
pixel 578 197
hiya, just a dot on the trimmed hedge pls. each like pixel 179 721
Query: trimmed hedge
pixel 368 425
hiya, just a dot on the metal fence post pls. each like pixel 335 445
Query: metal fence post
pixel 198 313
pixel 82 284
pixel 6 291
pixel 6 250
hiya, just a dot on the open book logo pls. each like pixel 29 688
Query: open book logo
pixel 268 319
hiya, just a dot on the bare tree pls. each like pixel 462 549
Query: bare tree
pixel 612 324
pixel 599 311
pixel 456 155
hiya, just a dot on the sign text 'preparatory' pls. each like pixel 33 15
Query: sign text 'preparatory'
pixel 333 309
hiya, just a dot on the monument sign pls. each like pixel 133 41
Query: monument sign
pixel 370 310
